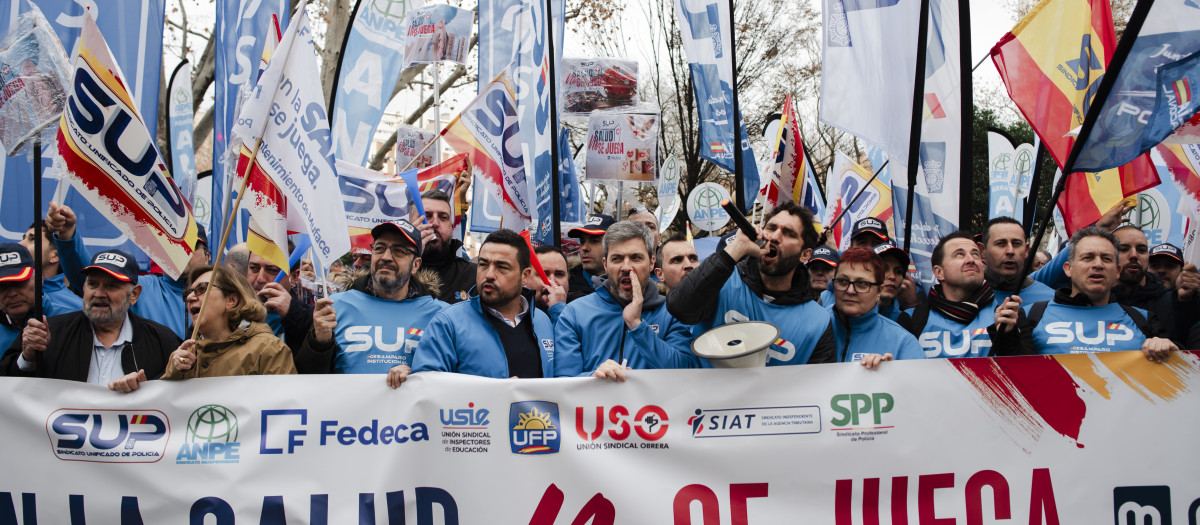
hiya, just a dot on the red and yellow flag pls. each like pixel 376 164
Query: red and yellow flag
pixel 1088 195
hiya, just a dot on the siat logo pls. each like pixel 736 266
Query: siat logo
pixel 108 436
pixel 533 427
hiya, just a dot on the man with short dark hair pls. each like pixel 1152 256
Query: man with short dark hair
pixel 499 333
pixel 869 232
pixel 551 299
pixel 960 318
pixel 895 275
pixel 821 268
pixel 1137 287
pixel 625 323
pixel 100 344
pixel 770 285
pixel 1166 261
pixel 675 259
pixel 441 252
pixel 53 280
pixel 642 215
pixel 591 254
pixel 1083 318
pixel 161 298
pixel 376 325
pixel 17 294
pixel 1004 253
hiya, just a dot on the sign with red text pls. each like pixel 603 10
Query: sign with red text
pixel 1040 439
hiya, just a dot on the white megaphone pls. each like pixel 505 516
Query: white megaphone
pixel 737 345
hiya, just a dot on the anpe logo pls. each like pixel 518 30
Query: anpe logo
pixel 649 422
pixel 756 421
pixel 850 406
pixel 464 418
pixel 108 436
pixel 533 427
pixel 1142 505
pixel 211 437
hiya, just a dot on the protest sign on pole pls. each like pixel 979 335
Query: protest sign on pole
pixel 590 84
pixel 622 146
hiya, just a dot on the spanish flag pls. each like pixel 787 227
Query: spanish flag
pixel 1088 195
pixel 1182 161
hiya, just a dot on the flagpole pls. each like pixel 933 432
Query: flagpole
pixel 846 208
pixel 437 108
pixel 966 184
pixel 228 226
pixel 914 134
pixel 37 227
pixel 739 177
pixel 552 79
pixel 337 71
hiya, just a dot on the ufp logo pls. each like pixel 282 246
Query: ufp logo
pixel 211 437
pixel 533 427
pixel 108 436
pixel 1142 505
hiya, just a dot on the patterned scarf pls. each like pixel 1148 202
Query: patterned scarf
pixel 960 311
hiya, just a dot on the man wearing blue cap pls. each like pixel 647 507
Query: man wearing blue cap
pixel 17 294
pixel 101 344
pixel 374 327
pixel 161 298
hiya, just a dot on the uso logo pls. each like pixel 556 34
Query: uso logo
pixel 534 428
pixel 108 436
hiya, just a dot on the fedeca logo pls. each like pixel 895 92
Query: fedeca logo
pixel 534 428
pixel 211 437
pixel 1142 505
pixel 108 436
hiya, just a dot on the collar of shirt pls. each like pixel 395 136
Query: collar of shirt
pixel 516 320
pixel 123 337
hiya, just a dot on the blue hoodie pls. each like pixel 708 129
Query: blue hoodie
pixel 1072 329
pixel 460 339
pixel 943 337
pixel 374 334
pixel 161 300
pixel 592 328
pixel 872 333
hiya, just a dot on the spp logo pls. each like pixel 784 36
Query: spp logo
pixel 211 437
pixel 649 422
pixel 464 418
pixel 850 407
pixel 534 428
pixel 1067 332
pixel 1149 505
pixel 108 436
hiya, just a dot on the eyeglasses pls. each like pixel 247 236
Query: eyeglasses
pixel 398 250
pixel 200 289
pixel 842 284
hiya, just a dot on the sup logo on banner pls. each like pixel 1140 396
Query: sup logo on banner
pixel 759 421
pixel 533 427
pixel 465 430
pixel 211 437
pixel 617 425
pixel 108 436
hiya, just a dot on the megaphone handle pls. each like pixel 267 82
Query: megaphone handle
pixel 740 220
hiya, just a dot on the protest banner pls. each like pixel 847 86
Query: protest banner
pixel 437 33
pixel 371 197
pixel 1036 439
pixel 848 179
pixel 179 133
pixel 622 146
pixel 590 84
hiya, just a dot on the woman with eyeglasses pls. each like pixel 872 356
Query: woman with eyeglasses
pixel 860 333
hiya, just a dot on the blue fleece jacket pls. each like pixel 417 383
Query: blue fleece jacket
pixel 872 333
pixel 161 300
pixel 1071 329
pixel 592 328
pixel 943 337
pixel 460 339
pixel 374 334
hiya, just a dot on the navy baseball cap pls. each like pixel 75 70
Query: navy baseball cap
pixel 15 263
pixel 404 228
pixel 871 225
pixel 1167 250
pixel 120 265
pixel 201 235
pixel 824 254
pixel 888 247
pixel 595 224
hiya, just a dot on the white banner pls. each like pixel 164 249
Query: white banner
pixel 622 146
pixel 1071 439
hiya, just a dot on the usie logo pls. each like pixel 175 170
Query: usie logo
pixel 109 436
pixel 533 427
pixel 465 418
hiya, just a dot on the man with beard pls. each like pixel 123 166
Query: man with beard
pixel 1139 288
pixel 625 323
pixel 441 253
pixel 289 317
pixel 105 341
pixel 1083 318
pixel 161 298
pixel 770 285
pixel 962 316
pixel 550 299
pixel 591 254
pixel 374 327
pixel 1166 261
pixel 17 294
pixel 1004 252
pixel 499 333
pixel 677 258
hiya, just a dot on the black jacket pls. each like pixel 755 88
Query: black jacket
pixel 697 296
pixel 457 274
pixel 69 354
pixel 1154 298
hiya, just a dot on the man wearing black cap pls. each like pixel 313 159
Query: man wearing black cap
pixel 1166 261
pixel 1182 281
pixel 17 294
pixel 821 268
pixel 591 254
pixel 868 233
pixel 374 327
pixel 105 341
pixel 895 276
pixel 161 298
